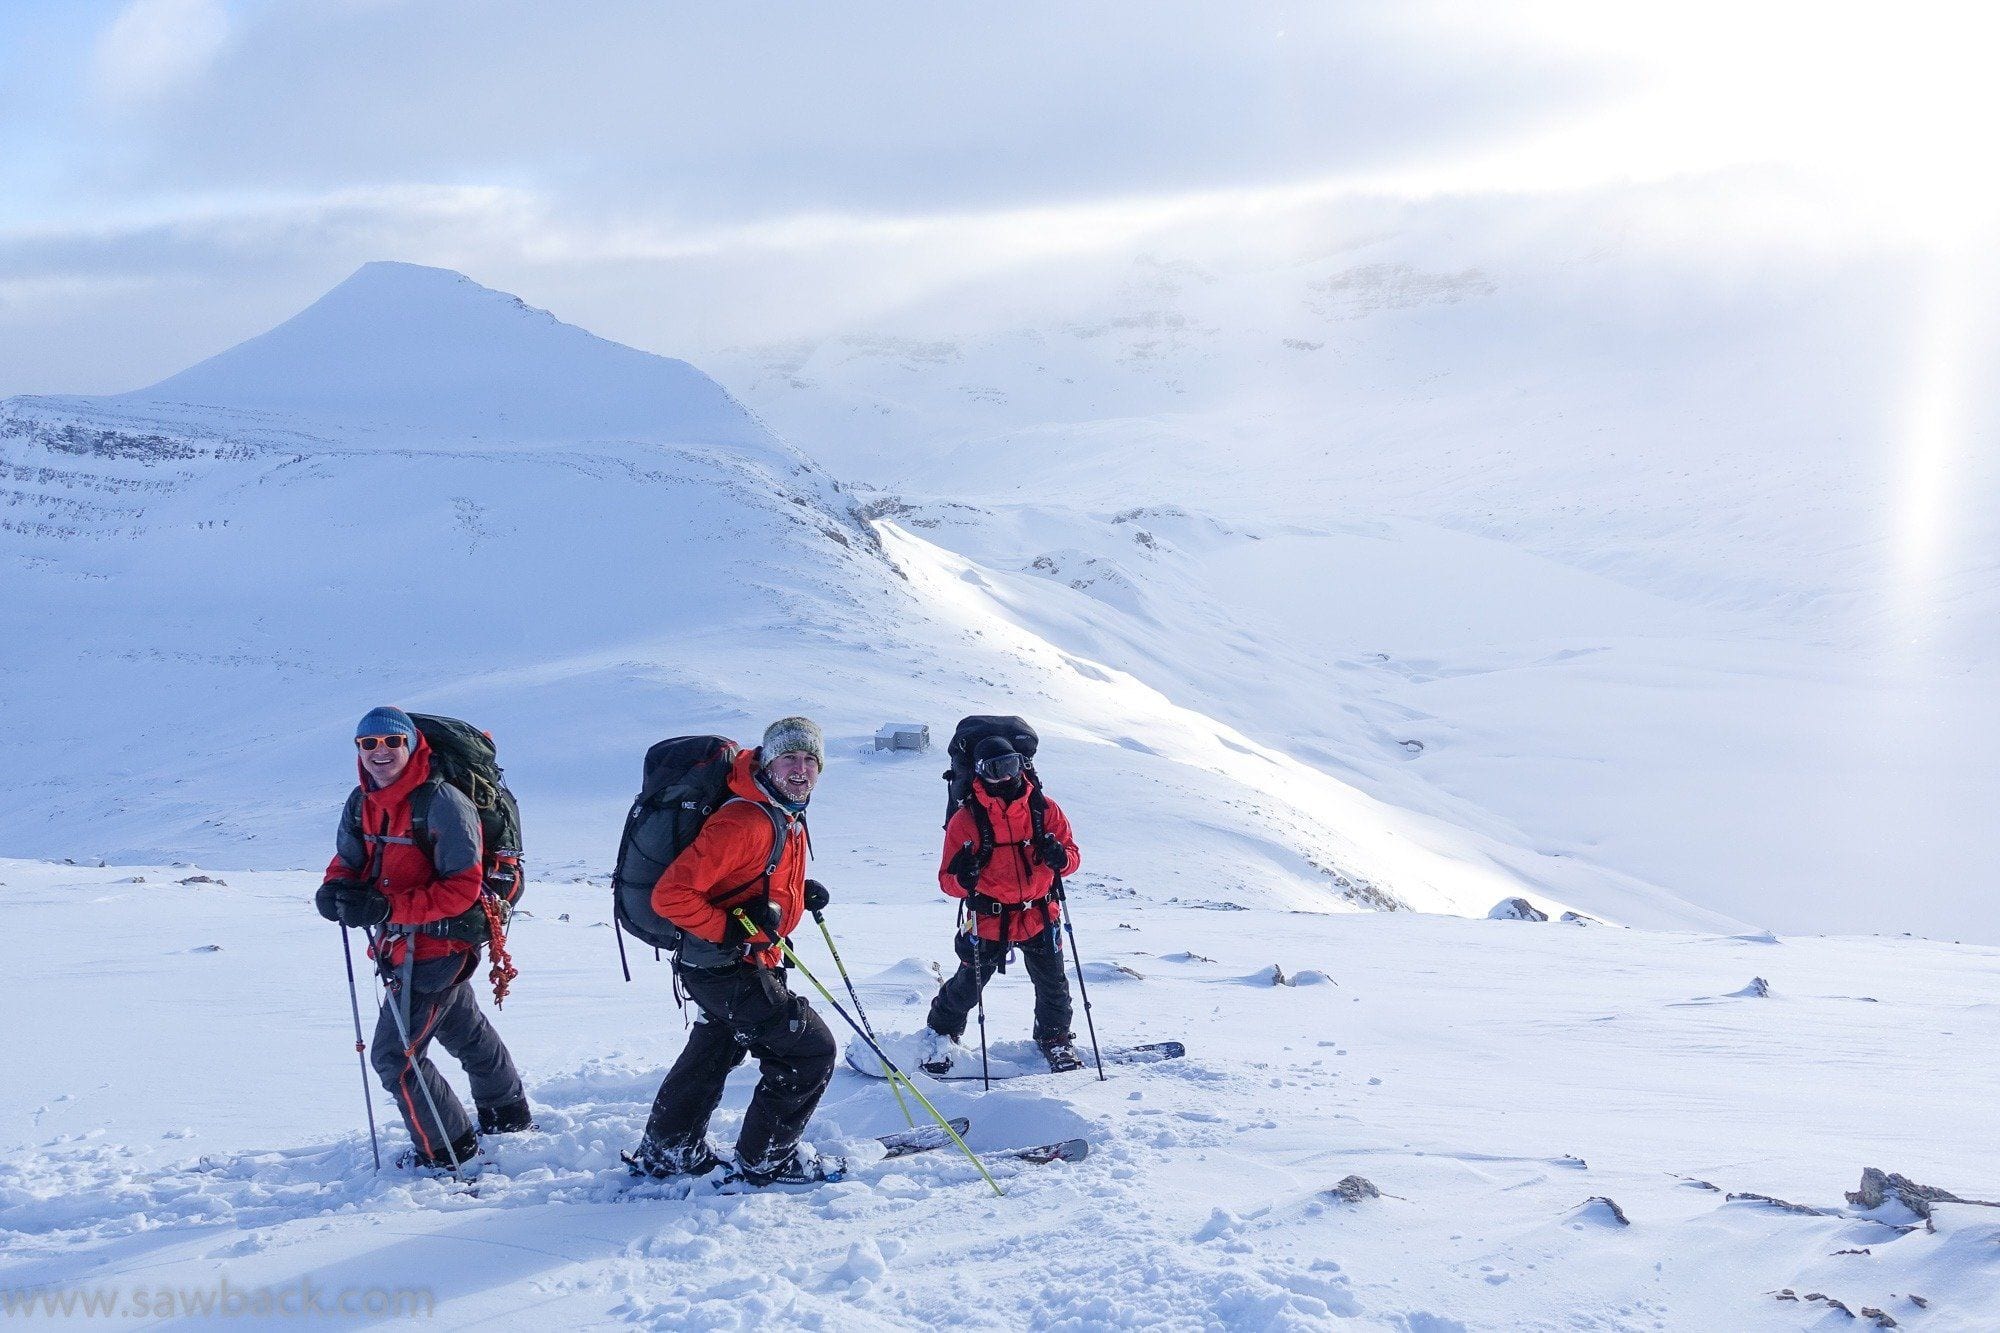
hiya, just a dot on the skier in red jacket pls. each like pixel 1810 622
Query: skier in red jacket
pixel 381 881
pixel 736 977
pixel 1006 875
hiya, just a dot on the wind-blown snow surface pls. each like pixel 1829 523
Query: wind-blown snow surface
pixel 190 1115
pixel 1260 721
pixel 1666 563
pixel 244 557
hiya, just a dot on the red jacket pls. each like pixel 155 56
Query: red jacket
pixel 388 854
pixel 1015 874
pixel 724 866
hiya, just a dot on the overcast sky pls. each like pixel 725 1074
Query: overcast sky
pixel 176 175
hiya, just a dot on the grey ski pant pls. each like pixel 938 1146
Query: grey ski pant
pixel 443 1009
pixel 1043 955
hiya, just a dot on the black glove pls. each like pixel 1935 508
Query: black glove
pixel 763 916
pixel 361 906
pixel 965 868
pixel 816 896
pixel 1051 853
pixel 327 900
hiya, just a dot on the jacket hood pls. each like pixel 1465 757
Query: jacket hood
pixel 743 777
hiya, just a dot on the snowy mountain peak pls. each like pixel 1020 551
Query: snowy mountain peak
pixel 409 349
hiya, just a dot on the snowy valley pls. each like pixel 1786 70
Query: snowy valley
pixel 1329 667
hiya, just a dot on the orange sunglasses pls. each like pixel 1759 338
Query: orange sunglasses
pixel 395 741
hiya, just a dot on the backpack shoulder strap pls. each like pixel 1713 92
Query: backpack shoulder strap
pixel 781 832
pixel 420 815
pixel 1038 806
pixel 983 823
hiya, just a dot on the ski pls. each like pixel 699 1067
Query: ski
pixel 1149 1053
pixel 902 1143
pixel 921 1139
pixel 1069 1150
pixel 905 1143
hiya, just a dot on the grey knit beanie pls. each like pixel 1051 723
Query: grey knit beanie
pixel 793 735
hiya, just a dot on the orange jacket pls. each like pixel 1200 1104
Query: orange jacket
pixel 383 849
pixel 724 866
pixel 1015 874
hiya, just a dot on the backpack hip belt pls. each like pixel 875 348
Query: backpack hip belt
pixel 1001 909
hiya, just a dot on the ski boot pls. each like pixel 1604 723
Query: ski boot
pixel 1061 1054
pixel 465 1148
pixel 695 1159
pixel 936 1052
pixel 512 1118
pixel 796 1165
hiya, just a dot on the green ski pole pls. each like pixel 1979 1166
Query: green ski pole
pixel 866 1026
pixel 753 930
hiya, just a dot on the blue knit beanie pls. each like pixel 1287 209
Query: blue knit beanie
pixel 386 721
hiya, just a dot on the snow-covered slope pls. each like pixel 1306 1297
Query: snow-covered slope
pixel 400 353
pixel 206 592
pixel 1265 705
pixel 1494 1080
pixel 1648 551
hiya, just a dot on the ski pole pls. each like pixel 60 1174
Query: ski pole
pixel 410 1061
pixel 979 993
pixel 623 966
pixel 1089 1023
pixel 888 1065
pixel 360 1048
pixel 866 1026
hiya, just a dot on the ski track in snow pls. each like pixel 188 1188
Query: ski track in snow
pixel 1489 1077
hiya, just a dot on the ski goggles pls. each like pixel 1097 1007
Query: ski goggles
pixel 1000 768
pixel 395 740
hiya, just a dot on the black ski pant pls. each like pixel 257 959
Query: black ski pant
pixel 442 1008
pixel 744 1010
pixel 1043 955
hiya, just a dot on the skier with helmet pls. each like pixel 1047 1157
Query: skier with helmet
pixel 1007 876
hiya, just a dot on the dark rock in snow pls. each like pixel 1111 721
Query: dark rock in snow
pixel 1353 1189
pixel 1879 1187
pixel 1579 919
pixel 1758 989
pixel 1806 1210
pixel 1601 1204
pixel 204 879
pixel 1516 909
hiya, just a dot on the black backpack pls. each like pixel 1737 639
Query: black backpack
pixel 464 757
pixel 965 740
pixel 960 776
pixel 685 780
